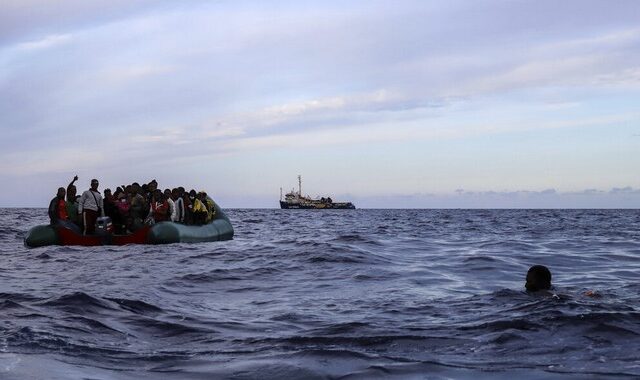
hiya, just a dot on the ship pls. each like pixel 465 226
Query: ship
pixel 295 200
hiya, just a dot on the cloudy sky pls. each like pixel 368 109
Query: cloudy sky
pixel 387 103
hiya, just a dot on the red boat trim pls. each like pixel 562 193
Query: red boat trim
pixel 69 237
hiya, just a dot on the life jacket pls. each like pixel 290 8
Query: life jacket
pixel 123 206
pixel 210 209
pixel 160 210
pixel 62 210
pixel 198 206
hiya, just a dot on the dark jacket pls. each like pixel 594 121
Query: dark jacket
pixel 53 210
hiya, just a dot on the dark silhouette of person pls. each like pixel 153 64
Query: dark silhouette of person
pixel 57 209
pixel 538 278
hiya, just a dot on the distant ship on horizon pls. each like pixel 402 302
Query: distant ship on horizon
pixel 295 200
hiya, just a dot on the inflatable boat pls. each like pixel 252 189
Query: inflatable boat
pixel 160 233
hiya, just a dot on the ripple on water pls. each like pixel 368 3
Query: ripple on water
pixel 362 294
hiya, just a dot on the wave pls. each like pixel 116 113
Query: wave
pixel 79 303
pixel 377 293
pixel 161 328
pixel 235 274
pixel 136 306
pixel 308 341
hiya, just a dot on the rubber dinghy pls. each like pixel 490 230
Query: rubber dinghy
pixel 219 228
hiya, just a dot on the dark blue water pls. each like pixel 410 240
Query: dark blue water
pixel 334 294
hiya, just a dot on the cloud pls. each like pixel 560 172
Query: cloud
pixel 295 118
pixel 51 161
pixel 135 72
pixel 154 81
pixel 26 19
pixel 187 134
pixel 422 130
pixel 550 198
pixel 323 110
pixel 596 61
pixel 47 42
pixel 624 190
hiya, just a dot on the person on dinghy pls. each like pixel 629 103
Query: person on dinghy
pixel 91 206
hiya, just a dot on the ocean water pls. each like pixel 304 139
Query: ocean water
pixel 341 294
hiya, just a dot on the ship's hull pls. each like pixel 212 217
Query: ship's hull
pixel 317 206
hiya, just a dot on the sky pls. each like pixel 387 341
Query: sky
pixel 399 104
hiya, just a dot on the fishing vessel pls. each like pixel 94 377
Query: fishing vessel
pixel 295 200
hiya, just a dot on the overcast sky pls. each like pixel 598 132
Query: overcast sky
pixel 386 103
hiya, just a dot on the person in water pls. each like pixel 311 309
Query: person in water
pixel 538 278
pixel 91 205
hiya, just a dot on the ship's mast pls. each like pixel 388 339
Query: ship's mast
pixel 281 193
pixel 299 185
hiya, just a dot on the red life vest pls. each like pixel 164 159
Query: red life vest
pixel 123 206
pixel 62 210
pixel 160 211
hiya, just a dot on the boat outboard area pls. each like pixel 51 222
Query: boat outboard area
pixel 133 214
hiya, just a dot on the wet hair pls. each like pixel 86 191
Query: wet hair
pixel 538 278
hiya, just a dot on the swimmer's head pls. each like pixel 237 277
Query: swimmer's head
pixel 538 278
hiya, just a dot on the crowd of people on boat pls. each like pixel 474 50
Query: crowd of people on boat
pixel 129 207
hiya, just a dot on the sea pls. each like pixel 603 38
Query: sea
pixel 333 294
